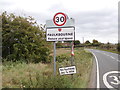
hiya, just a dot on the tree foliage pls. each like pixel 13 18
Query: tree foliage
pixel 77 42
pixel 87 42
pixel 23 39
pixel 95 42
pixel 118 47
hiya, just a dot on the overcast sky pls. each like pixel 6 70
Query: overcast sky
pixel 94 19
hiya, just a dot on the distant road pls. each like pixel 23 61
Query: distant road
pixel 108 73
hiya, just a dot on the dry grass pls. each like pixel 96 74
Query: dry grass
pixel 31 75
pixel 12 77
pixel 63 51
pixel 60 51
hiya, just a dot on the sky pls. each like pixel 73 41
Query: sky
pixel 94 19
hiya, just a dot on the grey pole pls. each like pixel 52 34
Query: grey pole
pixel 54 58
pixel 71 53
pixel 83 40
pixel 83 44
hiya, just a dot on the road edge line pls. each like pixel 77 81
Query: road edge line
pixel 98 79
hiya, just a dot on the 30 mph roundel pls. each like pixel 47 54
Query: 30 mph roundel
pixel 59 19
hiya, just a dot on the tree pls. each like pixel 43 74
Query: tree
pixel 108 45
pixel 87 42
pixel 77 42
pixel 95 42
pixel 23 39
pixel 118 47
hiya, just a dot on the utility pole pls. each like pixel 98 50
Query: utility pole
pixel 83 42
pixel 83 39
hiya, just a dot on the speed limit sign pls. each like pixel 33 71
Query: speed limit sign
pixel 59 19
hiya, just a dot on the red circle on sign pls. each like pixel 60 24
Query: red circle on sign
pixel 55 18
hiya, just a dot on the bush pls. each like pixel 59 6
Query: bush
pixel 23 39
pixel 47 82
pixel 63 57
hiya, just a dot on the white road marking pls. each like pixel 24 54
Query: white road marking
pixel 107 55
pixel 118 60
pixel 116 79
pixel 105 79
pixel 98 79
pixel 112 57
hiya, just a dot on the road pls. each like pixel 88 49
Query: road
pixel 108 73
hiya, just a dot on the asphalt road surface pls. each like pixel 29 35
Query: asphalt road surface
pixel 108 69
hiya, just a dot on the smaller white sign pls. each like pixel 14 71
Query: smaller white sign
pixel 67 70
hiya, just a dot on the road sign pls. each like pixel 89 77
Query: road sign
pixel 59 19
pixel 60 34
pixel 67 70
pixel 61 28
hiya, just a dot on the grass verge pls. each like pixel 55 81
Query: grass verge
pixel 113 51
pixel 22 75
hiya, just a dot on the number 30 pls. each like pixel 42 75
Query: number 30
pixel 61 19
pixel 116 80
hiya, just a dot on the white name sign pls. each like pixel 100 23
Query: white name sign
pixel 67 70
pixel 60 34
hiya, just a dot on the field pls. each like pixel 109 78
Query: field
pixel 22 75
pixel 116 51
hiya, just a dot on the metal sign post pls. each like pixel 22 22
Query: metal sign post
pixel 72 50
pixel 54 58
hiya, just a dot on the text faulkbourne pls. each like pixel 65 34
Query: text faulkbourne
pixel 60 34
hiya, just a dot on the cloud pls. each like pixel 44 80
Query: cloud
pixel 98 24
pixel 92 20
pixel 4 3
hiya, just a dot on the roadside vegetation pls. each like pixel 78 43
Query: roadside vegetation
pixel 23 39
pixel 113 51
pixel 114 48
pixel 22 75
pixel 95 44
